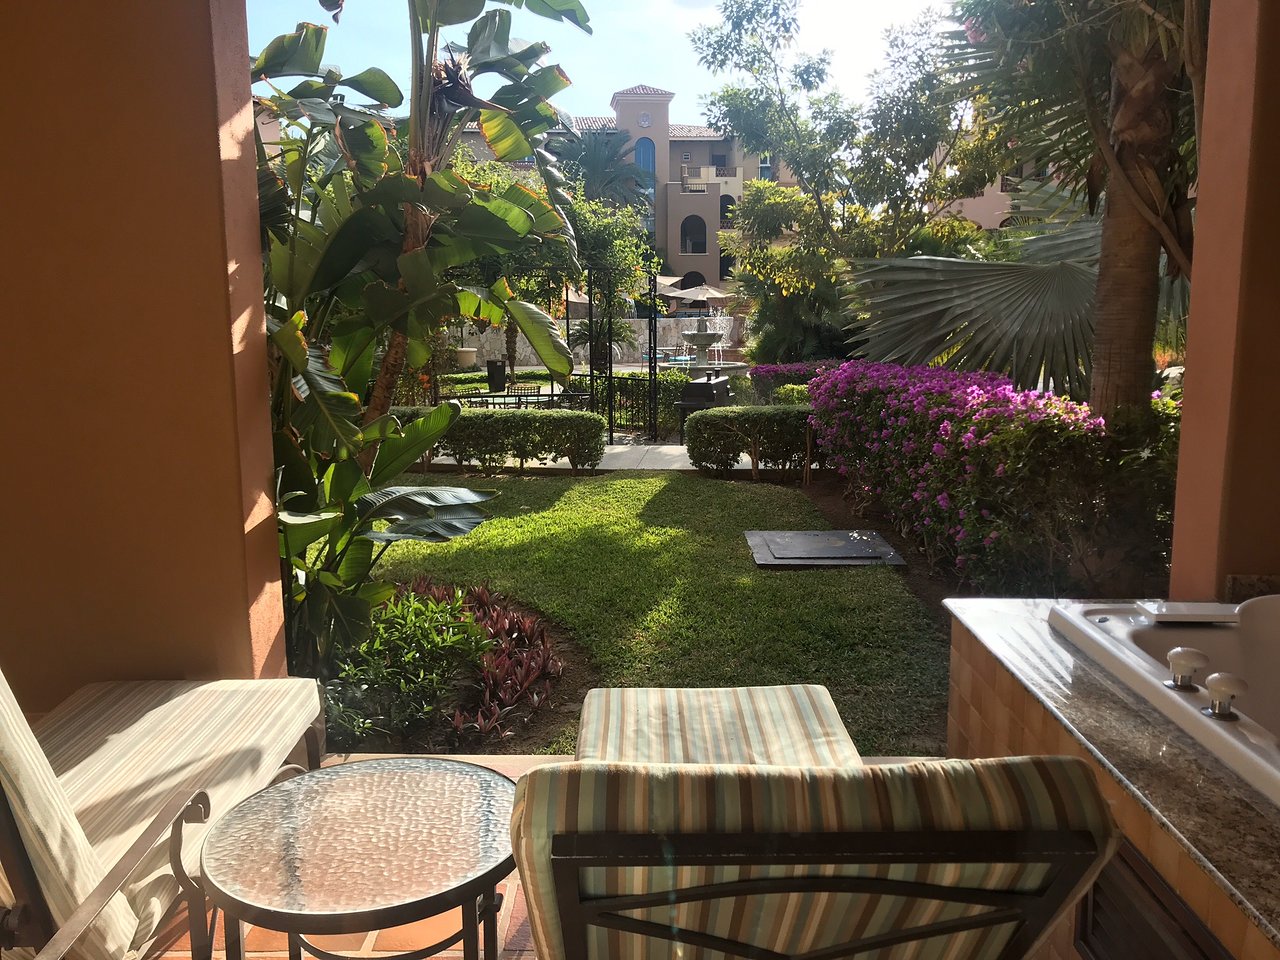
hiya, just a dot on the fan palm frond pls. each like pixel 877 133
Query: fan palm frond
pixel 1033 320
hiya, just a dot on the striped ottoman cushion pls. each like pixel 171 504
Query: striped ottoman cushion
pixel 795 725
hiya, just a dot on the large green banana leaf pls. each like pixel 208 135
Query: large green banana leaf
pixel 544 335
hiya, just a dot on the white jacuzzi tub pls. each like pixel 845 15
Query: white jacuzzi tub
pixel 1130 645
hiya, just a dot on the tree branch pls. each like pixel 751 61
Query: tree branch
pixel 1157 16
pixel 1120 177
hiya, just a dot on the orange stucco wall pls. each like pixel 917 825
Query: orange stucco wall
pixel 1227 517
pixel 141 539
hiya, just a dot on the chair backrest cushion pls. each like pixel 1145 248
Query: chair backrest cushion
pixel 1018 796
pixel 65 865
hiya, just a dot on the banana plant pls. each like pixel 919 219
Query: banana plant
pixel 399 227
pixel 327 505
pixel 361 266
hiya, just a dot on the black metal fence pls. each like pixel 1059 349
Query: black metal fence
pixel 629 402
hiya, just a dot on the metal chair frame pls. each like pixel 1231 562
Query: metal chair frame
pixel 1069 856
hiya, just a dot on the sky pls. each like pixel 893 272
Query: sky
pixel 633 41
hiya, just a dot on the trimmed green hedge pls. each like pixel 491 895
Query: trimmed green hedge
pixel 480 378
pixel 774 437
pixel 488 438
pixel 792 394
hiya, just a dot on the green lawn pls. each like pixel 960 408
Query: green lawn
pixel 651 574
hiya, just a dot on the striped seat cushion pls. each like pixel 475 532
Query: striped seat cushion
pixel 120 748
pixel 66 865
pixel 1021 794
pixel 794 725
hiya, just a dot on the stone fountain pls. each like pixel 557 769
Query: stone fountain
pixel 702 340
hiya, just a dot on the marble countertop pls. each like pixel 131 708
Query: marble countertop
pixel 1227 826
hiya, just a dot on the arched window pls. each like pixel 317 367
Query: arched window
pixel 726 209
pixel 727 263
pixel 693 234
pixel 647 159
pixel 692 279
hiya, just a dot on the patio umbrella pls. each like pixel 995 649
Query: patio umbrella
pixel 703 292
pixel 675 294
pixel 576 296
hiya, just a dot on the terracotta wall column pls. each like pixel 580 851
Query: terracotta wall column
pixel 141 541
pixel 1227 519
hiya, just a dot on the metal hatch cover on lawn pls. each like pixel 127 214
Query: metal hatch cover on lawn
pixel 788 549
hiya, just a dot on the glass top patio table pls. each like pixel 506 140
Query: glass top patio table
pixel 362 846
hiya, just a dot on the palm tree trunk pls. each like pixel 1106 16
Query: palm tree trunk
pixel 417 223
pixel 1128 293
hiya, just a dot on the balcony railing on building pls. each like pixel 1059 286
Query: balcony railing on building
pixel 694 178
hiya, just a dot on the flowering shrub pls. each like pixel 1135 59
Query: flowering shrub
pixel 1019 490
pixel 767 377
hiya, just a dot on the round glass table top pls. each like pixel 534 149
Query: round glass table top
pixel 361 838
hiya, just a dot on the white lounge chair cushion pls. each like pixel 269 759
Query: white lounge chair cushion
pixel 120 748
pixel 65 864
pixel 795 725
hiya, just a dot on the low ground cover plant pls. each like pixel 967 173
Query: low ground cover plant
pixel 1017 490
pixel 774 438
pixel 442 667
pixel 421 653
pixel 488 438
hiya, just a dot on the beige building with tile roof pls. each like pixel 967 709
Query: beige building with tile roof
pixel 698 177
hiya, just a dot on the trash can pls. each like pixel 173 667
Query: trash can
pixel 497 375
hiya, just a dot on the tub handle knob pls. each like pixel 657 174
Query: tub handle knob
pixel 1184 662
pixel 1223 688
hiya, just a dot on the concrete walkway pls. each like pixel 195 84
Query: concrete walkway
pixel 666 456
pixel 617 456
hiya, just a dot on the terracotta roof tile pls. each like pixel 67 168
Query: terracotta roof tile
pixel 643 90
pixel 681 131
pixel 594 124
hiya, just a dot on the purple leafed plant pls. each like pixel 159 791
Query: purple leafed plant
pixel 515 675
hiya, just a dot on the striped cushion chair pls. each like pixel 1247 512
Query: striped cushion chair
pixel 105 800
pixel 942 860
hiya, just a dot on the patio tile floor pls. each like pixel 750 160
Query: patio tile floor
pixel 513 921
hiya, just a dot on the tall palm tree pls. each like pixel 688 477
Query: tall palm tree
pixel 1108 93
pixel 599 159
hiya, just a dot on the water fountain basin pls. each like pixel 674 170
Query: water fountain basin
pixel 701 338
